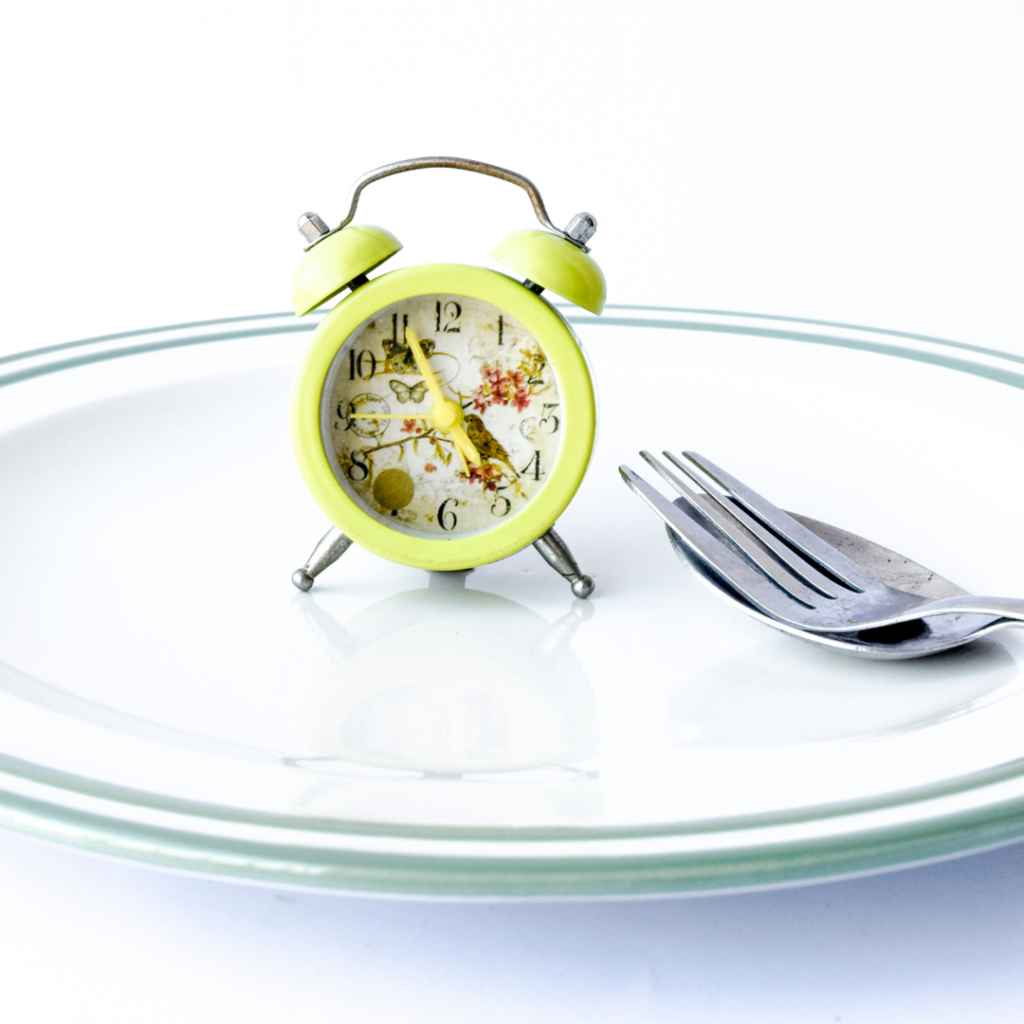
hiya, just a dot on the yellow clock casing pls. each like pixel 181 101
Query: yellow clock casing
pixel 443 415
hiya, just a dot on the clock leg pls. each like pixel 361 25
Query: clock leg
pixel 553 550
pixel 333 544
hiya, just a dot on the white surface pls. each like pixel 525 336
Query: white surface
pixel 860 163
pixel 93 941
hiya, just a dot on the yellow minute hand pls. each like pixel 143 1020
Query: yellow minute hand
pixel 449 424
pixel 424 367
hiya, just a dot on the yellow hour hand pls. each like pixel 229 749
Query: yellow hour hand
pixel 464 444
pixel 462 458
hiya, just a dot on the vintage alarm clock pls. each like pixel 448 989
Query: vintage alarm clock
pixel 443 416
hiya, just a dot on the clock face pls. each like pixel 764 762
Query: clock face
pixel 403 468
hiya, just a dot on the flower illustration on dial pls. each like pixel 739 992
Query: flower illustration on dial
pixel 475 429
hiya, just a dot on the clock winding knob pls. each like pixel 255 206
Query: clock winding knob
pixel 581 228
pixel 312 227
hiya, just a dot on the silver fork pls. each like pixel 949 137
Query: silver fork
pixel 781 567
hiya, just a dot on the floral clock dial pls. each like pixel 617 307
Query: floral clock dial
pixel 385 428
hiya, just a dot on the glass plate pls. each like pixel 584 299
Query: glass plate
pixel 166 695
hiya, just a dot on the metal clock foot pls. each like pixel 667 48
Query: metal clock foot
pixel 553 550
pixel 332 545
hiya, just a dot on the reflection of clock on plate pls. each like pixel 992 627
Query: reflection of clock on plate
pixel 405 696
pixel 444 416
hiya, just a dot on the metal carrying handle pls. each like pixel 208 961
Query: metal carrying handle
pixel 458 163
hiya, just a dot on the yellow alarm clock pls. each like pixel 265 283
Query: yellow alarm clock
pixel 443 415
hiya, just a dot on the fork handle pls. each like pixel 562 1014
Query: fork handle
pixel 1008 608
pixel 970 604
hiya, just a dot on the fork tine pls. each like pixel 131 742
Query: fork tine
pixel 796 534
pixel 796 564
pixel 747 544
pixel 735 570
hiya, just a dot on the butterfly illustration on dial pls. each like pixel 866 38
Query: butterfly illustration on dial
pixel 406 393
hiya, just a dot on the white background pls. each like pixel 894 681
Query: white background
pixel 853 162
pixel 857 162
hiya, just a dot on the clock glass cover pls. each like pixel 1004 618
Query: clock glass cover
pixel 396 462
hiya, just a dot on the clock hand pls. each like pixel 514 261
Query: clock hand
pixel 462 458
pixel 463 445
pixel 386 416
pixel 424 367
